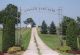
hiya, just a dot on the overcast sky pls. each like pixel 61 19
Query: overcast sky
pixel 70 8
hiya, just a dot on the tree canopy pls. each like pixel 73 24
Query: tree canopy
pixel 30 21
pixel 10 10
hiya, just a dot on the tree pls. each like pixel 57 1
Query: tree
pixel 64 24
pixel 52 28
pixel 33 24
pixel 29 21
pixel 9 17
pixel 78 19
pixel 44 28
pixel 71 35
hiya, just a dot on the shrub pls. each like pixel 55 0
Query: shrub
pixel 14 49
pixel 64 37
pixel 72 35
pixel 64 48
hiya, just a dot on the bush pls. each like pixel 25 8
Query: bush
pixel 64 48
pixel 71 35
pixel 64 37
pixel 14 49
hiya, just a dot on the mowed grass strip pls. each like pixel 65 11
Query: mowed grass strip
pixel 51 40
pixel 26 38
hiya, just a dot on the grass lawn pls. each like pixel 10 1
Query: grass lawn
pixel 26 34
pixel 52 41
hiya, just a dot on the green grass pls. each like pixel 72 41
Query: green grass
pixel 63 53
pixel 26 38
pixel 53 41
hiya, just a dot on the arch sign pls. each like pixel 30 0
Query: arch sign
pixel 36 9
pixel 59 10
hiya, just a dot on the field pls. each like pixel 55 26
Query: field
pixel 25 37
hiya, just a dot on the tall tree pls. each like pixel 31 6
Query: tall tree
pixel 71 35
pixel 9 17
pixel 44 27
pixel 52 28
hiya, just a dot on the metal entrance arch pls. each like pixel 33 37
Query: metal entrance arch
pixel 52 11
